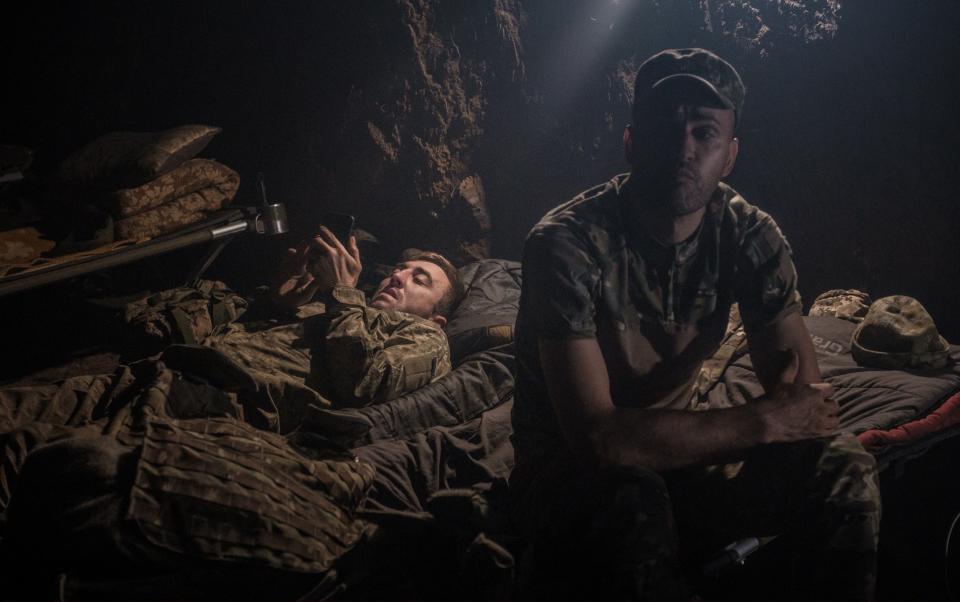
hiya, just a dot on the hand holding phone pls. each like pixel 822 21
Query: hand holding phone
pixel 334 256
pixel 328 259
pixel 340 224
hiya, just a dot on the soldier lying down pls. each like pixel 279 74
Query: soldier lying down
pixel 341 348
pixel 179 462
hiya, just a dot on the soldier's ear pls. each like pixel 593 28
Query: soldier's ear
pixel 628 143
pixel 440 320
pixel 731 156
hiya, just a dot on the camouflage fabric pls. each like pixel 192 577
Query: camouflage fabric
pixel 73 401
pixel 719 75
pixel 128 159
pixel 33 414
pixel 586 275
pixel 181 315
pixel 898 333
pixel 19 246
pixel 163 490
pixel 734 345
pixel 261 501
pixel 345 353
pixel 636 523
pixel 179 471
pixel 372 355
pixel 276 359
pixel 188 208
pixel 213 182
pixel 846 304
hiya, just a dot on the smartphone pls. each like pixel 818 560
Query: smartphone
pixel 341 224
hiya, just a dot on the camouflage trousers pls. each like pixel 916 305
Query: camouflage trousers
pixel 631 533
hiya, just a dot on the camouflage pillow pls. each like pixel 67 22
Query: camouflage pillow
pixel 185 196
pixel 127 159
pixel 196 175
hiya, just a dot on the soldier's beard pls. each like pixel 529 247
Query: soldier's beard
pixel 678 194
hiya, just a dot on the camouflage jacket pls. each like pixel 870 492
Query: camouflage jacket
pixel 342 351
pixel 657 311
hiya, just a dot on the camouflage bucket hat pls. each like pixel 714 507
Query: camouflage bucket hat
pixel 898 333
pixel 691 66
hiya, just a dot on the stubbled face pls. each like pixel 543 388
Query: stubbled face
pixel 414 287
pixel 679 151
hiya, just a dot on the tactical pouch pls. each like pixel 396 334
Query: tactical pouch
pixel 186 314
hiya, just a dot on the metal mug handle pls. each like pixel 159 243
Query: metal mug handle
pixel 272 219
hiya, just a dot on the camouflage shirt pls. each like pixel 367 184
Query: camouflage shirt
pixel 657 311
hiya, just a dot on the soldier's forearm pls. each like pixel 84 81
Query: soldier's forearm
pixel 672 439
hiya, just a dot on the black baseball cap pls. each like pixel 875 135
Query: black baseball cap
pixel 690 66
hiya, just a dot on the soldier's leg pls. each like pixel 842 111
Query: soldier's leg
pixel 844 529
pixel 602 535
pixel 822 494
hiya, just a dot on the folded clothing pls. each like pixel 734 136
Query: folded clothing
pixel 184 196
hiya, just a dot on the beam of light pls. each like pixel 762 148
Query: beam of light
pixel 579 49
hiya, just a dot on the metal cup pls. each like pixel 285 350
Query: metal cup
pixel 272 219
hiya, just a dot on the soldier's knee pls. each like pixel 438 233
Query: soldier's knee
pixel 634 509
pixel 632 487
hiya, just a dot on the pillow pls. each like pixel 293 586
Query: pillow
pixel 485 317
pixel 127 159
pixel 195 175
pixel 179 212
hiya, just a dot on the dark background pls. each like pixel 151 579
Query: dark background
pixel 381 108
